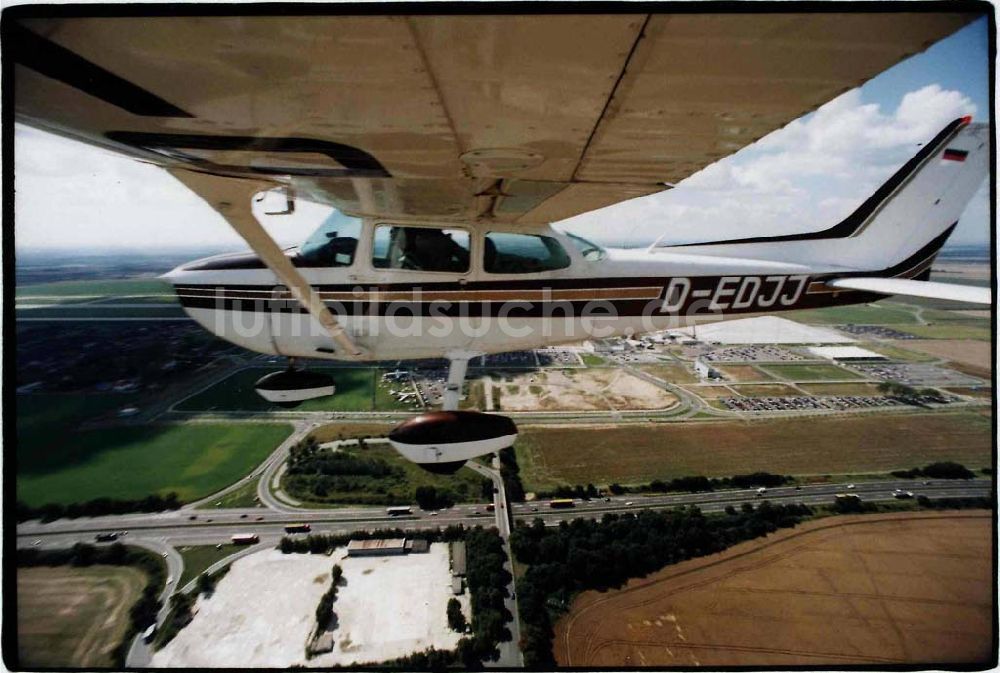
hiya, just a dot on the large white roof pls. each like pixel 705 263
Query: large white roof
pixel 766 330
pixel 846 353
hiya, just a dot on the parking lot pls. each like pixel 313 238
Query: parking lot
pixel 751 354
pixel 916 374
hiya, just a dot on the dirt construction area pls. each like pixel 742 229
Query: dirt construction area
pixel 74 617
pixel 263 611
pixel 913 588
pixel 580 390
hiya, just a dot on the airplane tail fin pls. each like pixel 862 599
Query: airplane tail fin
pixel 900 228
pixel 904 224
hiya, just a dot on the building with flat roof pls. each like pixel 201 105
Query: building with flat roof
pixel 847 354
pixel 389 547
pixel 458 559
pixel 766 329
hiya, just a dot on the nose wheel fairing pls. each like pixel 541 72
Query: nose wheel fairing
pixel 442 441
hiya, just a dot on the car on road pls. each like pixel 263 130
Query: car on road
pixel 850 486
pixel 629 503
pixel 434 513
pixel 192 517
pixel 106 537
pixel 761 491
pixel 164 554
pixel 901 494
pixel 36 543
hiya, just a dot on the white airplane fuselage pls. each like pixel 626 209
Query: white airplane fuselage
pixel 381 291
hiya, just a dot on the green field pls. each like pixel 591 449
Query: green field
pixel 96 288
pixel 193 460
pixel 355 391
pixel 244 496
pixel 552 456
pixel 977 330
pixel 592 360
pixel 858 314
pixel 807 372
pixel 198 559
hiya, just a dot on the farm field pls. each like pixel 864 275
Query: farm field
pixel 978 330
pixel 860 314
pixel 807 372
pixel 133 462
pixel 834 592
pixel 74 617
pixel 766 390
pixel 334 431
pixel 671 373
pixel 709 392
pixel 741 373
pixel 974 353
pixel 550 456
pixel 355 391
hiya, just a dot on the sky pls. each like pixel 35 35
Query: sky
pixel 806 176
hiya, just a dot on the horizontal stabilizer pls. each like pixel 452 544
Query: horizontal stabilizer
pixel 917 288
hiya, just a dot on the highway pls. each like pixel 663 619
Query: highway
pixel 162 532
pixel 187 527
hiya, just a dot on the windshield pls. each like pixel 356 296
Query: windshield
pixel 333 243
pixel 589 251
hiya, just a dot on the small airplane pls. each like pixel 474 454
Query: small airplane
pixel 450 144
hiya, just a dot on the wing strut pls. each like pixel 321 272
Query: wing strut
pixel 232 198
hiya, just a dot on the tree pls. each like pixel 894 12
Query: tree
pixel 456 619
pixel 426 497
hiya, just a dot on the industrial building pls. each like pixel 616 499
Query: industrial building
pixel 847 354
pixel 390 547
pixel 458 559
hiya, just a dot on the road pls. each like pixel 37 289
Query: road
pixel 162 532
pixel 510 653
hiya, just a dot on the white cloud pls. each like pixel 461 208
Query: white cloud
pixel 804 177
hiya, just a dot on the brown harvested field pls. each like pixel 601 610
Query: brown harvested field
pixel 965 351
pixel 671 373
pixel 913 588
pixel 334 431
pixel 602 454
pixel 766 390
pixel 739 373
pixel 972 392
pixel 74 617
pixel 866 389
pixel 710 392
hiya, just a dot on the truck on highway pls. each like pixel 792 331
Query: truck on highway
pixel 398 511
pixel 562 503
pixel 246 538
pixel 147 635
pixel 106 537
pixel 298 528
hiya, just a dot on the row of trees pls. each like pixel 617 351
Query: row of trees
pixel 324 610
pixel 143 612
pixel 97 507
pixel 940 470
pixel 694 484
pixel 510 472
pixel 588 554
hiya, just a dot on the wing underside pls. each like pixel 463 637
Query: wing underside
pixel 509 118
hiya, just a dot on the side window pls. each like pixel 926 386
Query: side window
pixel 421 249
pixel 333 243
pixel 522 253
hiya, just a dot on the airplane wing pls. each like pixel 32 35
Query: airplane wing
pixel 917 288
pixel 508 118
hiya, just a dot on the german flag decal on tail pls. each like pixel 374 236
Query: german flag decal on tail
pixel 954 155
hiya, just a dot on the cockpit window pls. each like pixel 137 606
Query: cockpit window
pixel 589 251
pixel 421 249
pixel 333 243
pixel 522 253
